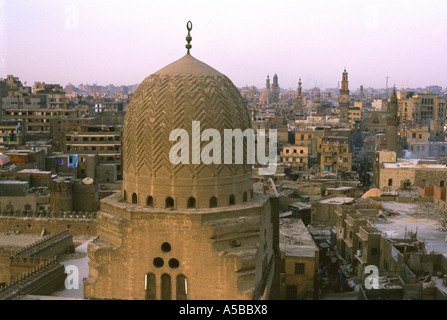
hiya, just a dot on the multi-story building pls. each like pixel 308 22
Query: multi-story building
pixel 37 121
pixel 299 261
pixel 54 94
pixel 296 156
pixel 12 133
pixel 335 157
pixel 422 107
pixel 105 141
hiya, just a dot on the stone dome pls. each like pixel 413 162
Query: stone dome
pixel 186 90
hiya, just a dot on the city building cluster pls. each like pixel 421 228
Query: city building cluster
pixel 360 183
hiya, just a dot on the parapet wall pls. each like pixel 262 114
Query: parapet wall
pixel 77 223
pixel 51 245
pixel 43 279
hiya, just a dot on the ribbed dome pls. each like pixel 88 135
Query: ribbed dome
pixel 186 90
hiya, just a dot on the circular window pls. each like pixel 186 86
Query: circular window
pixel 173 263
pixel 166 247
pixel 158 262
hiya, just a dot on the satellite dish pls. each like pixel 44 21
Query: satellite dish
pixel 87 180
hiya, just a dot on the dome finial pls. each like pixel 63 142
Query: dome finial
pixel 188 37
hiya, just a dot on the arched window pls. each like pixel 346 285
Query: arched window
pixel 441 184
pixel 150 286
pixel 191 202
pixel 166 287
pixel 134 198
pixel 390 182
pixel 232 200
pixel 125 195
pixel 181 287
pixel 169 202
pixel 213 202
pixel 150 201
pixel 245 196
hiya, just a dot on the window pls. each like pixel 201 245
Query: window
pixel 134 198
pixel 232 200
pixel 299 268
pixel 150 286
pixel 169 202
pixel 181 287
pixel 390 182
pixel 213 202
pixel 150 201
pixel 165 287
pixel 191 203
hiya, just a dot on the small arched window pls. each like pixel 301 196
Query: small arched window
pixel 150 201
pixel 390 182
pixel 169 202
pixel 232 200
pixel 181 286
pixel 166 287
pixel 150 286
pixel 134 198
pixel 191 203
pixel 125 195
pixel 213 202
pixel 441 184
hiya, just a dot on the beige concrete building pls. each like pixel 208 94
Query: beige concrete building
pixel 296 156
pixel 185 231
pixel 299 261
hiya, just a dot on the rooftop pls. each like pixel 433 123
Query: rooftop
pixel 295 240
pixel 337 200
pixel 415 164
pixel 424 217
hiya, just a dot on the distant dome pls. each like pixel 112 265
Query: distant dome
pixel 184 91
pixel 374 192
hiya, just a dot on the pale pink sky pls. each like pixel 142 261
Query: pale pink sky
pixel 122 42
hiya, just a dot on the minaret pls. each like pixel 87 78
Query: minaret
pixel 344 98
pixel 267 83
pixel 275 89
pixel 298 101
pixel 392 122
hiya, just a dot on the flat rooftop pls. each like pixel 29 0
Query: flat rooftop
pixel 414 164
pixel 424 217
pixel 337 200
pixel 295 240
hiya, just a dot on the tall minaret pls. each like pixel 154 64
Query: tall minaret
pixel 275 89
pixel 298 101
pixel 267 83
pixel 392 122
pixel 344 98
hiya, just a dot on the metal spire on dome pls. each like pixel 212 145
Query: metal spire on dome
pixel 188 37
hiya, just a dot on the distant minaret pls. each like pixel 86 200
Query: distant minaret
pixel 275 89
pixel 298 101
pixel 392 122
pixel 267 83
pixel 344 98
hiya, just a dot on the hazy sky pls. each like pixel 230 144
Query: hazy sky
pixel 122 42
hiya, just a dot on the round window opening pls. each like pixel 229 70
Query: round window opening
pixel 173 263
pixel 166 247
pixel 158 262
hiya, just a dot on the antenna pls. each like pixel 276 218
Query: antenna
pixel 386 90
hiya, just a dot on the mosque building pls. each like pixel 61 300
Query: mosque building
pixel 184 231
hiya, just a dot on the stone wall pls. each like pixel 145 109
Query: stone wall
pixel 78 223
pixel 222 253
pixel 43 279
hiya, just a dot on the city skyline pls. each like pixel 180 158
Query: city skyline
pixel 122 43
